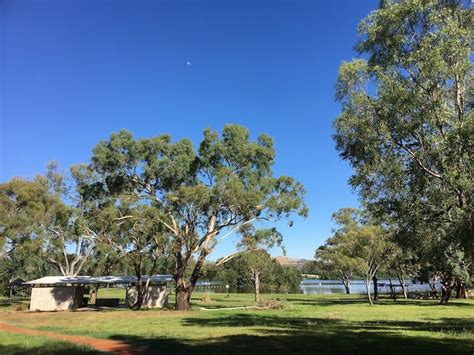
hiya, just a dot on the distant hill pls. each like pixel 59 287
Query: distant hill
pixel 286 261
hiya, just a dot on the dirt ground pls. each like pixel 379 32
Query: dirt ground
pixel 105 345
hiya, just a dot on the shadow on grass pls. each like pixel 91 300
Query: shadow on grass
pixel 317 342
pixel 381 301
pixel 271 324
pixel 57 349
pixel 304 335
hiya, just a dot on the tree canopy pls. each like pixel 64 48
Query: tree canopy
pixel 201 196
pixel 406 125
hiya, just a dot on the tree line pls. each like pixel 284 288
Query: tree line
pixel 152 204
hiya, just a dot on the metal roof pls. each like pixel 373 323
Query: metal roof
pixel 83 280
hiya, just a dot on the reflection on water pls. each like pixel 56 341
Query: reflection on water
pixel 312 286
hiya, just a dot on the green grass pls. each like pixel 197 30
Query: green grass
pixel 308 324
pixel 23 344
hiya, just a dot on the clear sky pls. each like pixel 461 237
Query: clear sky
pixel 72 72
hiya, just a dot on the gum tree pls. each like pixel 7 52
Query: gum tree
pixel 200 197
pixel 253 254
pixel 406 125
pixel 35 217
pixel 358 247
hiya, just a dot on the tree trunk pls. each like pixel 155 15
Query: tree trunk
pixel 446 290
pixel 256 278
pixel 184 289
pixel 138 303
pixel 432 284
pixel 393 295
pixel 94 292
pixel 376 288
pixel 183 298
pixel 345 282
pixel 461 289
pixel 367 287
pixel 401 279
pixel 138 286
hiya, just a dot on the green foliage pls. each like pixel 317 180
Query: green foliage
pixel 228 183
pixel 359 247
pixel 24 207
pixel 407 124
pixel 237 273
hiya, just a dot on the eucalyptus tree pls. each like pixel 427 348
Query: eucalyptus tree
pixel 407 124
pixel 141 240
pixel 42 216
pixel 335 256
pixel 253 254
pixel 68 236
pixel 331 259
pixel 22 202
pixel 199 197
pixel 358 247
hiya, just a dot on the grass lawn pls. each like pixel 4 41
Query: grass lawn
pixel 308 324
pixel 21 344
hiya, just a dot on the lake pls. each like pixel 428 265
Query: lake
pixel 314 286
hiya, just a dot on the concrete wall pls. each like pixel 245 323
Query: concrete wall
pixel 157 296
pixel 56 298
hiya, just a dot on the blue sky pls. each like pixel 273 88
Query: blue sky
pixel 72 72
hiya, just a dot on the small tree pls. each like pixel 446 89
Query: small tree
pixel 259 263
pixel 253 253
pixel 141 240
pixel 332 258
pixel 369 248
pixel 336 254
pixel 358 247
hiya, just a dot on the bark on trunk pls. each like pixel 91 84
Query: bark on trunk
pixel 367 287
pixel 458 289
pixel 401 279
pixel 446 290
pixel 345 282
pixel 348 290
pixel 393 294
pixel 376 288
pixel 256 278
pixel 432 284
pixel 184 289
pixel 461 290
pixel 183 299
pixel 94 292
pixel 138 303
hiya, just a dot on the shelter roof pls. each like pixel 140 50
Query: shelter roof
pixel 94 280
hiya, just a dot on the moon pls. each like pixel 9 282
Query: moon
pixel 188 63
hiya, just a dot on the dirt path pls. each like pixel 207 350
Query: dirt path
pixel 105 345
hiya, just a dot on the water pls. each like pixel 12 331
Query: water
pixel 314 286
